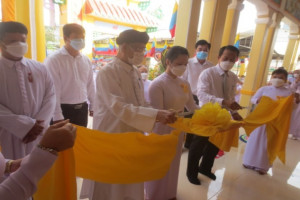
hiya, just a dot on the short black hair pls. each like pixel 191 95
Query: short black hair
pixel 73 28
pixel 230 48
pixel 12 27
pixel 173 53
pixel 202 42
pixel 280 70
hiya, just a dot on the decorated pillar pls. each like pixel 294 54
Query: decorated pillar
pixel 209 7
pixel 292 47
pixel 213 20
pixel 270 43
pixel 22 14
pixel 255 57
pixel 242 66
pixel 267 51
pixel 63 20
pixel 40 38
pixel 231 22
pixel 25 11
pixel 295 55
pixel 8 10
pixel 187 24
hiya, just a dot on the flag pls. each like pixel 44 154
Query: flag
pixel 166 44
pixel 152 50
pixel 237 41
pixel 173 20
pixel 111 44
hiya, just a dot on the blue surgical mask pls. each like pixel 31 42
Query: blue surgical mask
pixel 201 55
pixel 77 44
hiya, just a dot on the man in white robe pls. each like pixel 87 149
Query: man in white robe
pixel 119 107
pixel 256 151
pixel 27 97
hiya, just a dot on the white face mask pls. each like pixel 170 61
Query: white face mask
pixel 226 65
pixel 277 82
pixel 137 58
pixel 17 49
pixel 77 44
pixel 144 76
pixel 178 70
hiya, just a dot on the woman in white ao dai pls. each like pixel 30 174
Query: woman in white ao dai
pixel 169 92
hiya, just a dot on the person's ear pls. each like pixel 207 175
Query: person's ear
pixel 123 48
pixel 66 39
pixel 168 62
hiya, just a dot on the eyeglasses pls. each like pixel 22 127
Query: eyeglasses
pixel 138 49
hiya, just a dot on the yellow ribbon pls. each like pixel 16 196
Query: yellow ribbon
pixel 247 92
pixel 133 157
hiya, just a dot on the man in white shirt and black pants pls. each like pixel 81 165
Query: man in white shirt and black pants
pixel 72 74
pixel 195 67
pixel 217 85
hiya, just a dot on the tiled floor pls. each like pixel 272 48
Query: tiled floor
pixel 237 183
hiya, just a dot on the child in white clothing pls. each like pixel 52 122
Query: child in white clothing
pixel 256 155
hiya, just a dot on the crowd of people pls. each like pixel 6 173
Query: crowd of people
pixel 62 91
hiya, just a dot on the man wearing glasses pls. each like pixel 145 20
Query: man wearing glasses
pixel 120 107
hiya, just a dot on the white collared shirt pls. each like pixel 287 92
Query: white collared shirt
pixel 210 85
pixel 193 71
pixel 73 79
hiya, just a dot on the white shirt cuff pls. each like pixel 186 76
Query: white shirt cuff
pixel 58 116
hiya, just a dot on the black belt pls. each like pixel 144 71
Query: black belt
pixel 75 106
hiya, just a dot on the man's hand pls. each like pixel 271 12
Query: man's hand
pixel 57 121
pixel 166 117
pixel 12 165
pixel 91 113
pixel 60 136
pixel 34 132
pixel 15 165
pixel 235 106
pixel 231 105
pixel 237 117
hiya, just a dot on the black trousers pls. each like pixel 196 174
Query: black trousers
pixel 200 147
pixel 189 136
pixel 76 113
